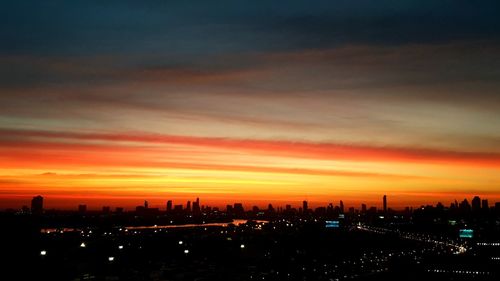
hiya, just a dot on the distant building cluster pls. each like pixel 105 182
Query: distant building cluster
pixel 476 207
pixel 306 241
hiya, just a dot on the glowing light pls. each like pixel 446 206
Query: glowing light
pixel 466 233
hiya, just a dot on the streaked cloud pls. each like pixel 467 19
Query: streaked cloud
pixel 250 98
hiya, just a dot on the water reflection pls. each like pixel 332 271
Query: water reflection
pixel 220 224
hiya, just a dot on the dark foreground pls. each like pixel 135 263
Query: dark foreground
pixel 282 249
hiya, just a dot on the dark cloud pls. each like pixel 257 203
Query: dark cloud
pixel 436 71
pixel 210 27
pixel 257 63
pixel 223 43
pixel 313 150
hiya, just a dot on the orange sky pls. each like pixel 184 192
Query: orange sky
pixel 249 101
pixel 124 169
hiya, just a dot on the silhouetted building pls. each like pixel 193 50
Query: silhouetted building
pixel 238 209
pixel 484 204
pixel 82 209
pixel 476 204
pixel 188 207
pixel 341 206
pixel 119 210
pixel 106 210
pixel 37 205
pixel 440 206
pixel 464 206
pixel 305 208
pixel 196 206
pixel 177 208
pixel 453 206
pixel 363 208
pixel 152 211
pixel 169 206
pixel 146 204
pixel 270 208
pixel 385 204
pixel 330 208
pixel 320 211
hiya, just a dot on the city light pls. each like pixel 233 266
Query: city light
pixel 250 140
pixel 466 233
pixel 366 263
pixel 332 224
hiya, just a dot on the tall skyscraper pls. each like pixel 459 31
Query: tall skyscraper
pixel 476 204
pixel 363 208
pixel 169 206
pixel 238 209
pixel 146 205
pixel 196 206
pixel 484 204
pixel 304 207
pixel 188 206
pixel 385 203
pixel 341 206
pixel 37 205
pixel 464 206
pixel 270 208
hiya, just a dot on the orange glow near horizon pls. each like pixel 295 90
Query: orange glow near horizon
pixel 124 169
pixel 104 105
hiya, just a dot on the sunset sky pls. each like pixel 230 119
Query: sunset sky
pixel 116 102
